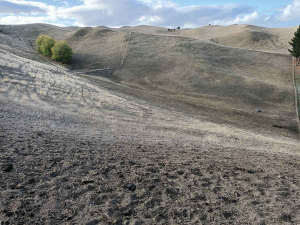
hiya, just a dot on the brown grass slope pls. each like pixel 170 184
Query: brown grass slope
pixel 70 147
pixel 70 144
pixel 97 47
pixel 229 80
pixel 211 75
pixel 20 39
pixel 240 36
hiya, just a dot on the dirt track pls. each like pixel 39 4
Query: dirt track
pixel 70 146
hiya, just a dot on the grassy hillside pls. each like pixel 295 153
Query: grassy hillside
pixel 240 36
pixel 191 68
pixel 70 147
pixel 176 140
pixel 196 68
pixel 211 75
pixel 97 47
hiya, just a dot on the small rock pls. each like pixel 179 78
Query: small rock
pixel 251 171
pixel 7 167
pixel 227 214
pixel 128 213
pixel 131 187
pixel 94 222
pixel 87 182
pixel 31 181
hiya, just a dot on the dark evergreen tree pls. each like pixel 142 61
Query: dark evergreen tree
pixel 295 43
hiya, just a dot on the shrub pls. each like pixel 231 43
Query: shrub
pixel 44 45
pixel 38 42
pixel 62 52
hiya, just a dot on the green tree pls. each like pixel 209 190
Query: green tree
pixel 62 52
pixel 38 42
pixel 44 44
pixel 295 43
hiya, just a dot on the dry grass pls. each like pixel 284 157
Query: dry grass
pixel 240 36
pixel 181 129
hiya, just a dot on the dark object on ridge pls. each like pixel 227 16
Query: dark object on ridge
pixel 131 187
pixel 178 28
pixel 258 110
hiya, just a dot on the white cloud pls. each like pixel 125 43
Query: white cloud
pixel 117 13
pixel 13 20
pixel 292 11
pixel 22 6
pixel 240 19
pixel 7 7
pixel 151 19
pixel 152 12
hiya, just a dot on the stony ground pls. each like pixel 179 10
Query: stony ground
pixel 79 150
pixel 55 177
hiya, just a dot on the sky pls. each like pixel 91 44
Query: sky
pixel 164 13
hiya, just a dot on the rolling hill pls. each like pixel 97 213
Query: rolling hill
pixel 146 126
pixel 188 65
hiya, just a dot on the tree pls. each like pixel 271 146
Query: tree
pixel 44 45
pixel 62 52
pixel 295 43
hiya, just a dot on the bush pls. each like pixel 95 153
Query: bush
pixel 44 45
pixel 62 52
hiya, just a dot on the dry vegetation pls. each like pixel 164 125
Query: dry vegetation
pixel 178 120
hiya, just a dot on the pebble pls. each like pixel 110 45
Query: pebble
pixel 131 187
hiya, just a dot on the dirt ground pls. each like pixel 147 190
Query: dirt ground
pixel 62 176
pixel 76 149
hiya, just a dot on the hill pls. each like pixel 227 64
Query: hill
pixel 216 78
pixel 240 36
pixel 171 136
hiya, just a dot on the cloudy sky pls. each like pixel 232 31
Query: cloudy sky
pixel 166 13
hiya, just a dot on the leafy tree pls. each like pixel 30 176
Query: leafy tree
pixel 44 44
pixel 62 52
pixel 39 42
pixel 295 43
